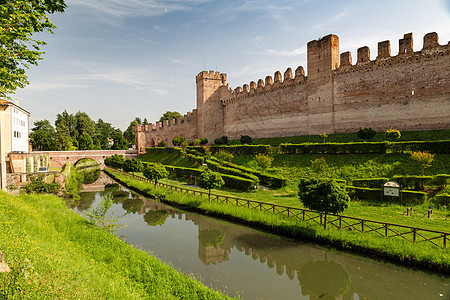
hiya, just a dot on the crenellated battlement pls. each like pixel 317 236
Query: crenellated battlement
pixel 430 50
pixel 407 91
pixel 270 83
pixel 211 75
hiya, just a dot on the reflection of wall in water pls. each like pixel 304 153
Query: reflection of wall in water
pixel 368 278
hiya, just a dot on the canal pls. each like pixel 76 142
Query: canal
pixel 254 265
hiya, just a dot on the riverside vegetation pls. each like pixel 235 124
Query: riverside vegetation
pixel 345 168
pixel 54 253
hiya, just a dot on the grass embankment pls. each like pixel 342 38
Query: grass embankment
pixel 399 250
pixel 54 253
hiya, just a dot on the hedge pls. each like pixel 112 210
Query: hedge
pixel 440 180
pixel 161 150
pixel 216 167
pixel 374 195
pixel 335 148
pixel 442 146
pixel 441 200
pixel 412 181
pixel 370 182
pixel 272 181
pixel 234 182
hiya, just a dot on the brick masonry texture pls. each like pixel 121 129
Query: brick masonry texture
pixel 408 91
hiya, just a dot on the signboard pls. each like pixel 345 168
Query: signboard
pixel 391 188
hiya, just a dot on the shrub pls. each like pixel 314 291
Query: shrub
pixel 163 144
pixel 392 135
pixel 176 141
pixel 238 183
pixel 323 195
pixel 38 186
pixel 132 165
pixel 203 141
pixel 320 166
pixel 366 133
pixel 115 161
pixel 246 139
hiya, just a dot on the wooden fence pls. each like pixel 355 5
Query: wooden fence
pixel 388 230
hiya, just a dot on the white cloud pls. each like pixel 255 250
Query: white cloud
pixel 130 8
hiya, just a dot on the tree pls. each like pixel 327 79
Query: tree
pixel 323 195
pixel 63 139
pixel 223 155
pixel 120 143
pixel 168 115
pixel 323 136
pixel 366 133
pixel 155 172
pixel 423 159
pixel 84 124
pixel 319 166
pixel 392 134
pixel 85 141
pixel 176 141
pixel 103 132
pixel 129 132
pixel 20 19
pixel 145 122
pixel 245 139
pixel 210 180
pixel 42 136
pixel 264 161
pixel 98 215
pixel 132 165
pixel 69 121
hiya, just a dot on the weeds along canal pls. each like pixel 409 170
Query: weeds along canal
pixel 242 261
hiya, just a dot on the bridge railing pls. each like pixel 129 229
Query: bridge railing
pixel 387 230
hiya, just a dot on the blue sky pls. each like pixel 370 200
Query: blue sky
pixel 121 59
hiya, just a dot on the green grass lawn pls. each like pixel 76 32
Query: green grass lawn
pixel 55 253
pixel 389 213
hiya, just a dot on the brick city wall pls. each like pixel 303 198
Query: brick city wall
pixel 408 91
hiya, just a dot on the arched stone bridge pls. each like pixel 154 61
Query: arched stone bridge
pixel 59 158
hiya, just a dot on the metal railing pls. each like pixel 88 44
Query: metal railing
pixel 388 230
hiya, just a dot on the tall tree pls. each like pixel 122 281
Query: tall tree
pixel 103 132
pixel 85 142
pixel 129 132
pixel 42 136
pixel 84 124
pixel 63 139
pixel 20 19
pixel 120 143
pixel 171 115
pixel 69 121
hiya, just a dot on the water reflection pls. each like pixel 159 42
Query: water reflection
pixel 324 279
pixel 237 258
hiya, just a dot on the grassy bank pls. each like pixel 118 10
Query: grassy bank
pixel 54 253
pixel 420 254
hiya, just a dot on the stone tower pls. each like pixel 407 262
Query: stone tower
pixel 209 106
pixel 323 58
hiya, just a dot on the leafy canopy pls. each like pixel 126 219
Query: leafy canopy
pixel 323 195
pixel 155 172
pixel 210 180
pixel 168 115
pixel 19 21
